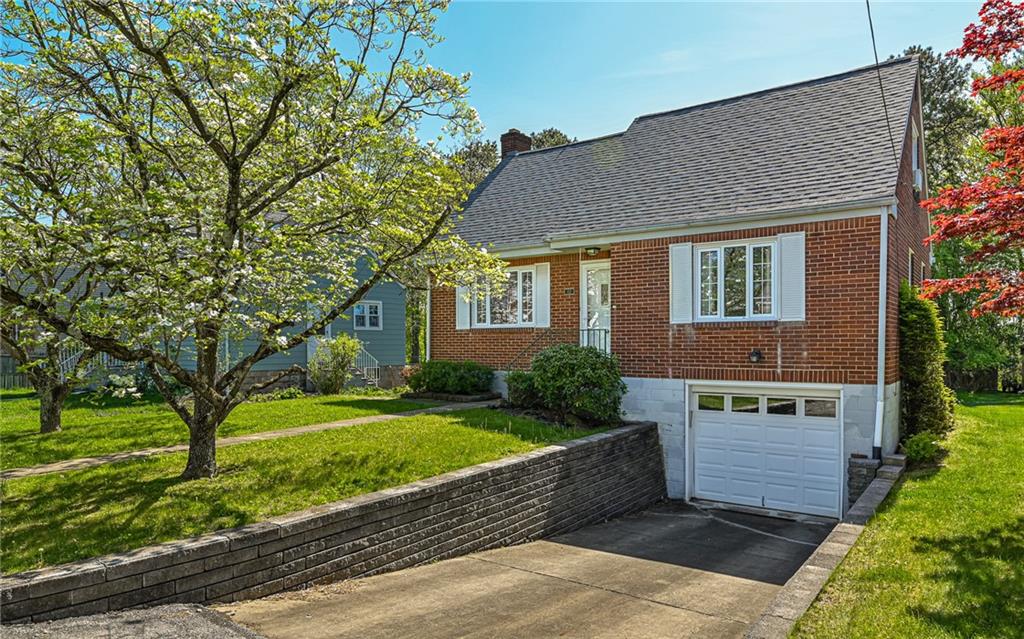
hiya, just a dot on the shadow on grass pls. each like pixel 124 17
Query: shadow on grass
pixel 985 573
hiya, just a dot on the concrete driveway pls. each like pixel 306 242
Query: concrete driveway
pixel 673 571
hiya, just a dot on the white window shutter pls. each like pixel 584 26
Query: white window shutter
pixel 462 308
pixel 680 282
pixel 792 277
pixel 542 295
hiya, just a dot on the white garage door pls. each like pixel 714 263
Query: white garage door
pixel 773 450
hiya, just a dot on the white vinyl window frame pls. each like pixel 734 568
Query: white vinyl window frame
pixel 719 249
pixel 483 302
pixel 365 315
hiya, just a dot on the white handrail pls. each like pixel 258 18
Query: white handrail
pixel 368 367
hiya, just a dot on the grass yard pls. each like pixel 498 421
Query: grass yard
pixel 945 555
pixel 53 519
pixel 112 425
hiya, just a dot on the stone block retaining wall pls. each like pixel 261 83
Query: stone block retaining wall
pixel 513 500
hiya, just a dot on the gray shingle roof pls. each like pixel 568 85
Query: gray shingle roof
pixel 818 143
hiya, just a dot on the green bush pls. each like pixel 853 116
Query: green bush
pixel 522 393
pixel 580 384
pixel 330 368
pixel 291 392
pixel 921 448
pixel 457 378
pixel 926 404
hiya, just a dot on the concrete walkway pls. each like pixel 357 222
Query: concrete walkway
pixel 89 462
pixel 674 571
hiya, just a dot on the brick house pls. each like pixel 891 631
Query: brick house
pixel 729 255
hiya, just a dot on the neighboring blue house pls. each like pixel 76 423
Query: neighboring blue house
pixel 378 321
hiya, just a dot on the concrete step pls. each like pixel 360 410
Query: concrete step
pixel 890 471
pixel 895 460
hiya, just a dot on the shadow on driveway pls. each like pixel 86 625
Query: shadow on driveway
pixel 672 571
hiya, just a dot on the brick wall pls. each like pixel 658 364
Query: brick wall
pixel 513 500
pixel 836 344
pixel 497 347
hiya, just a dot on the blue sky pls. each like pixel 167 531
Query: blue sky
pixel 589 68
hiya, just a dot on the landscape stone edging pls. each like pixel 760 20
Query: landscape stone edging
pixel 511 500
pixel 800 591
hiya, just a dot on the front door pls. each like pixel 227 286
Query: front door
pixel 596 304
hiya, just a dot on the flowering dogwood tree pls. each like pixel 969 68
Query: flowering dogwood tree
pixel 989 213
pixel 231 163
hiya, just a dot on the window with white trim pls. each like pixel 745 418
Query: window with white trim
pixel 736 281
pixel 367 316
pixel 512 305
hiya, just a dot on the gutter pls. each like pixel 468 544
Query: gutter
pixel 883 286
pixel 560 242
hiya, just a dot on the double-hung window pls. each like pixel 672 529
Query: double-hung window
pixel 509 305
pixel 736 281
pixel 366 316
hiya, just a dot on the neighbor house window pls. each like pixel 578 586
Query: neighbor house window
pixel 509 305
pixel 736 281
pixel 367 316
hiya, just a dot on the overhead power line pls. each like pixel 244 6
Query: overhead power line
pixel 881 87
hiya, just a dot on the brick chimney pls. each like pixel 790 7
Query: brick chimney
pixel 514 142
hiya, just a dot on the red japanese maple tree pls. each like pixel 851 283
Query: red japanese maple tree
pixel 989 213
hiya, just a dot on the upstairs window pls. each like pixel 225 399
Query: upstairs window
pixel 736 281
pixel 512 305
pixel 366 316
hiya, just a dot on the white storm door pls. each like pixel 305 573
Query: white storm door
pixel 596 304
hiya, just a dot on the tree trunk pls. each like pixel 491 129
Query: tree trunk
pixel 202 449
pixel 52 392
pixel 206 417
pixel 51 403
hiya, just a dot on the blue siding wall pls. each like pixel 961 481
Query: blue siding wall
pixel 387 344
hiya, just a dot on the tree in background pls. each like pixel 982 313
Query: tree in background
pixel 549 137
pixel 988 212
pixel 53 363
pixel 953 124
pixel 244 157
pixel 951 120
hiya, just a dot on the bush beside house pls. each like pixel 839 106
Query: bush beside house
pixel 330 368
pixel 581 385
pixel 926 404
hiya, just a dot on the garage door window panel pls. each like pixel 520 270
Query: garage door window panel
pixel 711 402
pixel 820 408
pixel 782 406
pixel 745 404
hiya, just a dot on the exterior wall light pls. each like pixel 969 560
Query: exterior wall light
pixel 591 251
pixel 755 356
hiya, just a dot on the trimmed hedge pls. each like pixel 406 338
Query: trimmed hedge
pixel 456 378
pixel 926 404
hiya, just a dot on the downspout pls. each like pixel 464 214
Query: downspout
pixel 883 285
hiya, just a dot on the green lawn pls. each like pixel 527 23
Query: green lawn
pixel 945 555
pixel 58 518
pixel 110 425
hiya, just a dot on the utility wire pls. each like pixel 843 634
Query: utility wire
pixel 881 87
